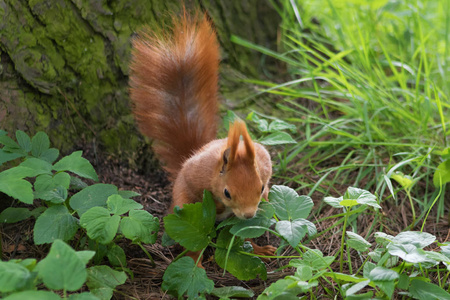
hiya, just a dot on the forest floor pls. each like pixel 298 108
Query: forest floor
pixel 155 196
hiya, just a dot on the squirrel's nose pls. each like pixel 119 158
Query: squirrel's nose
pixel 249 215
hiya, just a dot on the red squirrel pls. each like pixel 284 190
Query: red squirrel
pixel 174 90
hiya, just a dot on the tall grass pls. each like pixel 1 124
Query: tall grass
pixel 378 75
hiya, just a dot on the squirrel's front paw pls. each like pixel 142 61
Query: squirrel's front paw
pixel 267 250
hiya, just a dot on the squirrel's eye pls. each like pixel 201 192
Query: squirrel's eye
pixel 262 189
pixel 227 193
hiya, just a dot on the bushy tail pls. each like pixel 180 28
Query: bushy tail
pixel 174 88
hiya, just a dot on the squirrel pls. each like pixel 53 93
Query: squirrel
pixel 174 92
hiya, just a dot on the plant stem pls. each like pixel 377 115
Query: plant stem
pixel 349 260
pixel 342 242
pixel 432 205
pixel 181 254
pixel 147 253
pixel 412 208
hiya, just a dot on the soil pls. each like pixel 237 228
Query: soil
pixel 155 190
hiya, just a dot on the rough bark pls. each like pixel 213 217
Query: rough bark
pixel 64 64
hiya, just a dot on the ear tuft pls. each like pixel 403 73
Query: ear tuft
pixel 234 135
pixel 237 129
pixel 249 145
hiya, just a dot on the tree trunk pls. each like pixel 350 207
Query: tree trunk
pixel 64 64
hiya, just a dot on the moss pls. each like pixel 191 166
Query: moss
pixel 64 64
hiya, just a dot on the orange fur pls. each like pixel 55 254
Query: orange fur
pixel 174 88
pixel 174 92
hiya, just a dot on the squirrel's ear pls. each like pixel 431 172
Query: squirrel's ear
pixel 226 159
pixel 249 145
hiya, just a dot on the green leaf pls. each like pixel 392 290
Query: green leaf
pixel 288 204
pixel 39 144
pixel 424 290
pixel 383 239
pixel 409 253
pixel 50 155
pixel 384 279
pixel 166 240
pixel 261 124
pixel 184 277
pixel 62 269
pixel 405 181
pixel 76 164
pixel 277 138
pixel 83 296
pixel 100 225
pixel 278 125
pixel 334 202
pixel 344 277
pixel 242 266
pixel 357 242
pixel 356 288
pixel 6 156
pixel 437 257
pixel 52 188
pixel 119 205
pixel 85 256
pixel 14 214
pixel 77 184
pixel 57 195
pixel 12 184
pixel 24 140
pixel 38 165
pixel 9 143
pixel 442 174
pixel 386 286
pixel 403 282
pixel 294 231
pixel 228 222
pixel 116 256
pixel 313 258
pixel 283 289
pixel 361 196
pixel 193 225
pixel 55 223
pixel 256 226
pixel 445 154
pixel 102 280
pixel 13 276
pixel 232 291
pixel 416 238
pixel 33 295
pixel 229 118
pixel 382 274
pixel 91 196
pixel 128 194
pixel 303 273
pixel 140 226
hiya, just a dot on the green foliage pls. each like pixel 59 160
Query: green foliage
pixel 233 258
pixel 63 269
pixel 308 270
pixel 99 210
pixel 232 291
pixel 365 89
pixel 193 227
pixel 102 280
pixel 140 227
pixel 184 277
pixel 272 133
pixel 55 223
